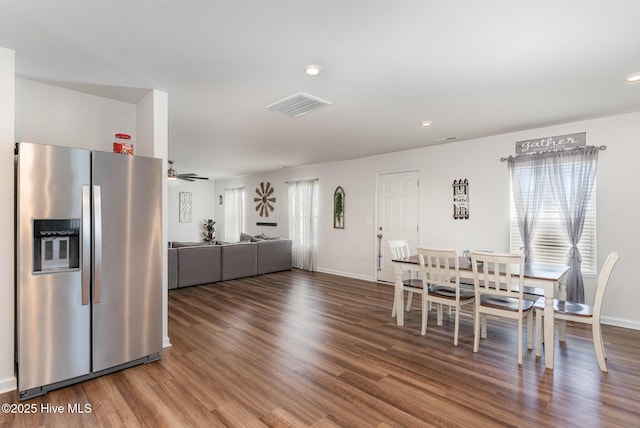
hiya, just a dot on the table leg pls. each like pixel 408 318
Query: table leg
pixel 549 331
pixel 398 304
pixel 562 324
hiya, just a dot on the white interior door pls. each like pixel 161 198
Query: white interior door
pixel 398 202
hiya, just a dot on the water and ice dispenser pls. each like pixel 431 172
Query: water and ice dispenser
pixel 56 245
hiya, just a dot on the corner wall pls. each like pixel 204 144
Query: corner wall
pixel 7 144
pixel 152 126
pixel 203 201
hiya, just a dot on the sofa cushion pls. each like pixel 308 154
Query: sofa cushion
pixel 172 268
pixel 177 244
pixel 274 255
pixel 263 237
pixel 239 260
pixel 199 265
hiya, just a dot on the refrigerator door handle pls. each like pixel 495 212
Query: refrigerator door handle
pixel 86 245
pixel 97 242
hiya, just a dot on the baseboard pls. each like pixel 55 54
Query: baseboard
pixel 346 274
pixel 620 322
pixel 8 384
pixel 166 342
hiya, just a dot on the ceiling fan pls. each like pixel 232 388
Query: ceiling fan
pixel 189 176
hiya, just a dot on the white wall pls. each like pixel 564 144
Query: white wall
pixel 351 251
pixel 250 184
pixel 48 114
pixel 7 102
pixel 203 197
pixel 478 160
pixel 152 126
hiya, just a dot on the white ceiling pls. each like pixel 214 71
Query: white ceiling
pixel 474 68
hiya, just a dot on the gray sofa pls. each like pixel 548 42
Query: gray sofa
pixel 193 263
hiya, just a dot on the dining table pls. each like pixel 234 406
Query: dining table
pixel 547 280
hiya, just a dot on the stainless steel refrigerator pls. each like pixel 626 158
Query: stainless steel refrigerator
pixel 88 264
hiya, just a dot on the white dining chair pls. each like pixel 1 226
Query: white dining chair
pixel 440 269
pixel 498 280
pixel 580 313
pixel 400 249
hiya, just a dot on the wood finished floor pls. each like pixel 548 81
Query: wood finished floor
pixel 306 349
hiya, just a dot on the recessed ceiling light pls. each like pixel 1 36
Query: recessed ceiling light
pixel 425 123
pixel 635 77
pixel 312 70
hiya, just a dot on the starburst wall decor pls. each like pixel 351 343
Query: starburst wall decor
pixel 265 199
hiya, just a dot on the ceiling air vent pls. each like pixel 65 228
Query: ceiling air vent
pixel 298 104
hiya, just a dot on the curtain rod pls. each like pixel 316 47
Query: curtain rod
pixel 301 181
pixel 603 147
pixel 234 188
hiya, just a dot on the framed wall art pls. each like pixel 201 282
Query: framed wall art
pixel 461 199
pixel 185 207
pixel 338 208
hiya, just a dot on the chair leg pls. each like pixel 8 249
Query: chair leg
pixel 393 310
pixel 483 325
pixel 530 330
pixel 539 332
pixel 599 346
pixel 425 315
pixel 562 330
pixel 409 300
pixel 456 327
pixel 520 341
pixel 440 314
pixel 476 329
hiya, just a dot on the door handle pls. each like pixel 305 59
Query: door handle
pixel 86 245
pixel 97 243
pixel 380 250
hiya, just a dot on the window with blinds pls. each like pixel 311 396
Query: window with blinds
pixel 550 243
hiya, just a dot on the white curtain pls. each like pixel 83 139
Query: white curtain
pixel 528 175
pixel 573 174
pixel 569 175
pixel 233 214
pixel 303 223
